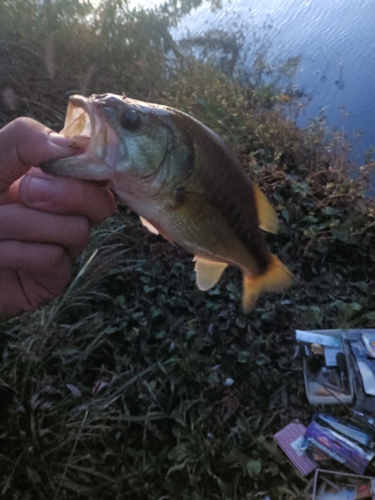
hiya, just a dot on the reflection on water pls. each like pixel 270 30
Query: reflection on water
pixel 336 41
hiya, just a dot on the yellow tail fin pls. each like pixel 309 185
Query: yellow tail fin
pixel 277 278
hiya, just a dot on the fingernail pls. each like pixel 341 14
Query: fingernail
pixel 39 189
pixel 59 140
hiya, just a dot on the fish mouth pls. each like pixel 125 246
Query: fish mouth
pixel 87 129
pixel 86 125
pixel 80 117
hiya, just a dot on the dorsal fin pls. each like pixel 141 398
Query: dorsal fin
pixel 266 213
pixel 208 272
pixel 148 225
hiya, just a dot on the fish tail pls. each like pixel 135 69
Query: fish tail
pixel 276 278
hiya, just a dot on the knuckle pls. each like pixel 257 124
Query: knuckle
pixel 81 233
pixel 57 257
pixel 21 124
pixel 84 228
pixel 61 266
pixel 109 205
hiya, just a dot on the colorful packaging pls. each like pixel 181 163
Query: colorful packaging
pixel 338 447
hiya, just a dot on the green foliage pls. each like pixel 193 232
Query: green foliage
pixel 134 384
pixel 80 48
pixel 122 393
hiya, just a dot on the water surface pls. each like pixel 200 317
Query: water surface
pixel 336 41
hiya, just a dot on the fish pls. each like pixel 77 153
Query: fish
pixel 182 180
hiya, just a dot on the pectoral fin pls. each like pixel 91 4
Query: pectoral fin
pixel 208 272
pixel 277 278
pixel 266 214
pixel 149 226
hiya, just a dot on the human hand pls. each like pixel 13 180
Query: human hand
pixel 44 220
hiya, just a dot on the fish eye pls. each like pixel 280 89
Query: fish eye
pixel 130 119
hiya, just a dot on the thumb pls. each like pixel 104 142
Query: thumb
pixel 25 143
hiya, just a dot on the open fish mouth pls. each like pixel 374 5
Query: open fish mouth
pixel 79 117
pixel 87 128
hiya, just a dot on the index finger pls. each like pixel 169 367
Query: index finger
pixel 25 142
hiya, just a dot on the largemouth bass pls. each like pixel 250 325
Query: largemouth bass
pixel 183 182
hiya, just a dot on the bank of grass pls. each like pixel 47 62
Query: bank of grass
pixel 134 384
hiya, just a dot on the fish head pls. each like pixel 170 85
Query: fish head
pixel 135 146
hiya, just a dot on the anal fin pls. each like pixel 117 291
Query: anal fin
pixel 208 272
pixel 277 278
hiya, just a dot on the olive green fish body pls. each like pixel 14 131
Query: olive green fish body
pixel 212 211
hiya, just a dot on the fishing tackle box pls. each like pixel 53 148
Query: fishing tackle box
pixel 324 383
pixel 338 366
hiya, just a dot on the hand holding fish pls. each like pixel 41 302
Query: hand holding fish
pixel 44 220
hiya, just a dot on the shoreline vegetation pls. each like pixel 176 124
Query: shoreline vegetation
pixel 134 384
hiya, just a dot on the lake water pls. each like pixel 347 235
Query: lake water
pixel 336 42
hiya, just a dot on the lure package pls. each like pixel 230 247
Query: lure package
pixel 290 439
pixel 329 437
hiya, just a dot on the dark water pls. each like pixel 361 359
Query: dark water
pixel 336 42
